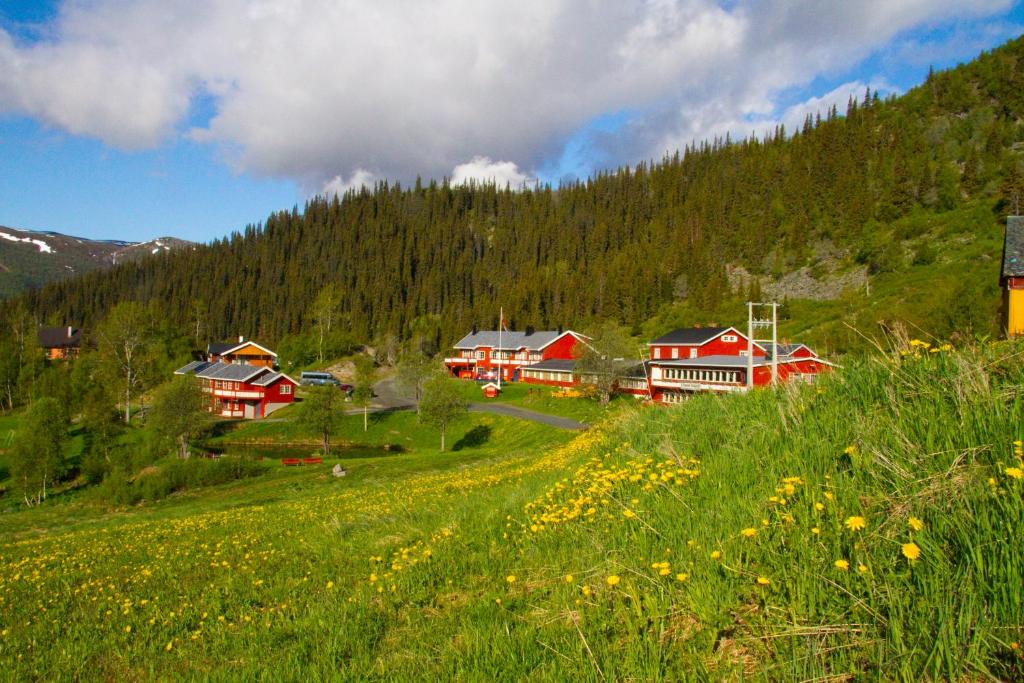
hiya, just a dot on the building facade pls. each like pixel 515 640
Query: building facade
pixel 482 355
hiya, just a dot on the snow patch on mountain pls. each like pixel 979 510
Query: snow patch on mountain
pixel 44 248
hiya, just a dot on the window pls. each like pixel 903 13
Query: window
pixel 730 338
pixel 693 353
pixel 675 353
pixel 479 355
pixel 672 397
pixel 657 352
pixel 286 389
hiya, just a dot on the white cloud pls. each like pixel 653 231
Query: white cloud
pixel 320 90
pixel 482 169
pixel 339 186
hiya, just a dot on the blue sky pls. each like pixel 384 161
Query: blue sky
pixel 134 142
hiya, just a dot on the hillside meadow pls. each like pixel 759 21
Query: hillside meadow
pixel 809 532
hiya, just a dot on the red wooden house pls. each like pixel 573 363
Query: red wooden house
pixel 239 381
pixel 715 359
pixel 481 355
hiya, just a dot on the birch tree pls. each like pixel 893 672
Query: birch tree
pixel 325 315
pixel 124 341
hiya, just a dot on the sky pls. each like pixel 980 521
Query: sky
pixel 134 119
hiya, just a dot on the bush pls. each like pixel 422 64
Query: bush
pixel 156 483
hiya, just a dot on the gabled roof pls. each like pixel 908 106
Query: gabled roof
pixel 231 372
pixel 513 340
pixel 692 336
pixel 1013 248
pixel 639 371
pixel 58 337
pixel 272 377
pixel 220 349
pixel 789 349
pixel 716 361
pixel 553 365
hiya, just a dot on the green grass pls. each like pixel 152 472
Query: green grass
pixel 454 566
pixel 539 398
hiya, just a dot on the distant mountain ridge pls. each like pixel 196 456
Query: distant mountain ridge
pixel 31 258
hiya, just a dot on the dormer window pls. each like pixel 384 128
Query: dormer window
pixel 730 338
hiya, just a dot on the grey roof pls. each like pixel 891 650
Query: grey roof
pixel 785 349
pixel 194 366
pixel 270 378
pixel 58 337
pixel 553 365
pixel 232 372
pixel 1013 247
pixel 718 361
pixel 690 335
pixel 639 371
pixel 510 341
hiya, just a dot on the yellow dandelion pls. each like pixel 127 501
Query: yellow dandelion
pixel 682 577
pixel 497 601
pixel 850 450
pixel 586 590
pixel 511 578
pixel 815 530
pixel 169 645
pixel 628 514
pixel 911 551
pixel 613 580
pixel 716 554
pixel 763 581
pixel 842 565
pixel 664 571
pixel 128 628
pixel 330 585
pixel 748 532
pixel 915 523
pixel 855 523
pixel 569 578
pixel 862 569
pixel 1015 472
pixel 819 507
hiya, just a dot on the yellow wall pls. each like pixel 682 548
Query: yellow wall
pixel 1015 321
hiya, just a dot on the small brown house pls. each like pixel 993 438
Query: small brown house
pixel 60 343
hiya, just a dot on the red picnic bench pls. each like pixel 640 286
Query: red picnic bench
pixel 312 461
pixel 290 461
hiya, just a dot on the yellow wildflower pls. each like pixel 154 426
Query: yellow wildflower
pixel 915 523
pixel 748 532
pixel 511 578
pixel 911 551
pixel 613 580
pixel 569 578
pixel 716 554
pixel 169 645
pixel 842 564
pixel 815 530
pixel 862 568
pixel 855 523
pixel 819 507
pixel 1015 472
pixel 682 577
pixel 330 585
pixel 763 581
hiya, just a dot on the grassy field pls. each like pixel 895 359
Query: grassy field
pixel 540 399
pixel 811 533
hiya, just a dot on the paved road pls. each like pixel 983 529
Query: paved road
pixel 387 396
pixel 524 414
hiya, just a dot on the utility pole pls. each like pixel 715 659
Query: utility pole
pixel 755 323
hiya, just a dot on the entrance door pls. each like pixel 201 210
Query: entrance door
pixel 250 410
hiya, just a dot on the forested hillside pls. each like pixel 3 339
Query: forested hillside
pixel 880 187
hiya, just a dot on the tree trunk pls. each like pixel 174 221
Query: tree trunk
pixel 366 412
pixel 327 444
pixel 442 439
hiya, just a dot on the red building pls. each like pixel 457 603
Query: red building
pixel 240 382
pixel 716 359
pixel 481 354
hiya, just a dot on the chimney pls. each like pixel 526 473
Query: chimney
pixel 529 330
pixel 475 329
pixel 241 339
pixel 560 330
pixel 69 331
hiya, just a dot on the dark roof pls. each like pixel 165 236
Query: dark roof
pixel 510 340
pixel 217 348
pixel 270 378
pixel 553 365
pixel 690 335
pixel 58 337
pixel 1013 247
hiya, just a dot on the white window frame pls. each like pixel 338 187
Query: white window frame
pixel 286 389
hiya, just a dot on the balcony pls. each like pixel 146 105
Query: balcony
pixel 237 395
pixel 695 386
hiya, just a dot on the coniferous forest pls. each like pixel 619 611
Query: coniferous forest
pixel 435 259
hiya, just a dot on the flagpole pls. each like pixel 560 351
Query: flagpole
pixel 501 324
